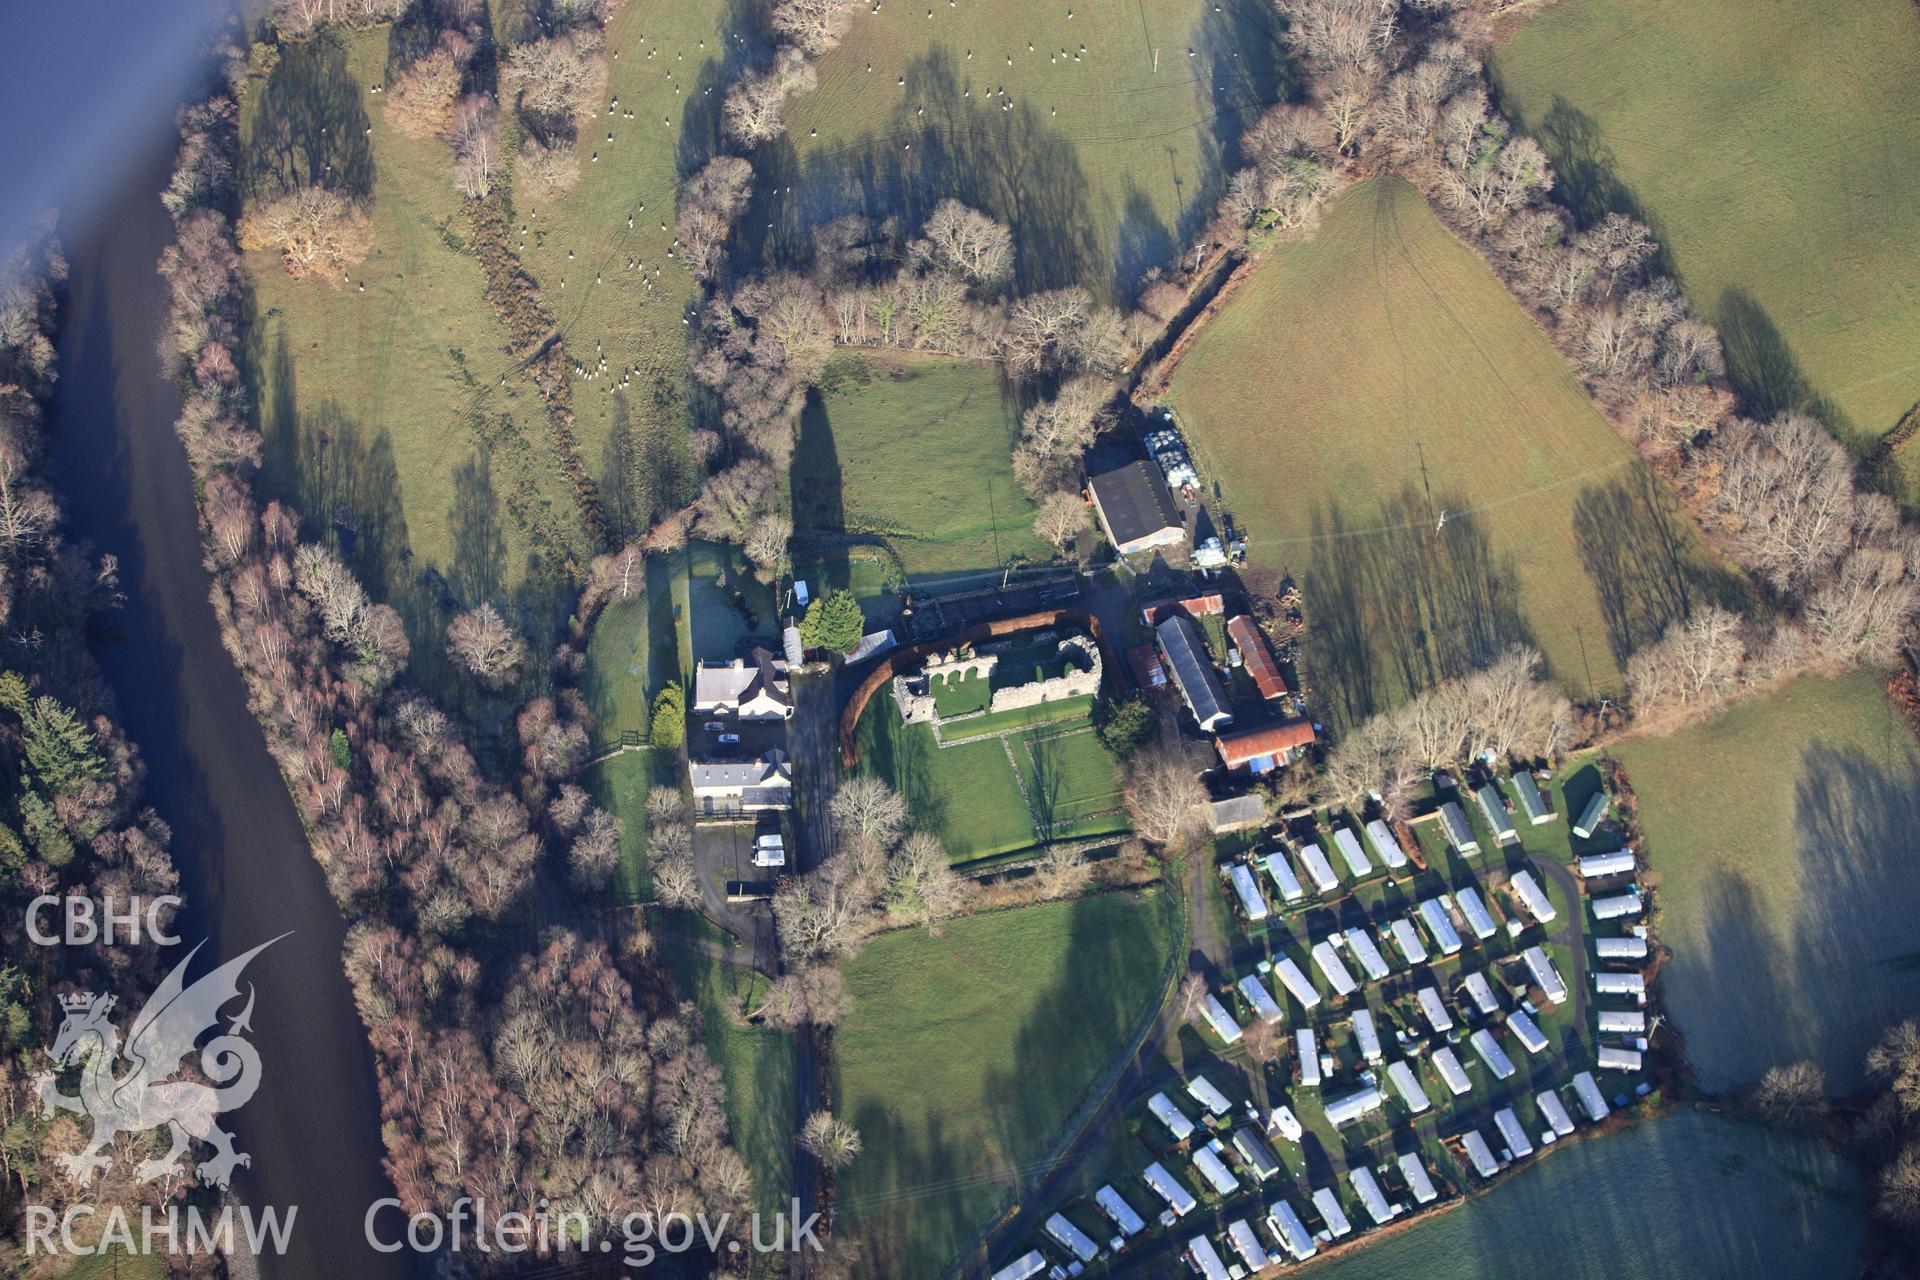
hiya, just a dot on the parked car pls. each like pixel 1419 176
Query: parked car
pixel 713 726
pixel 731 739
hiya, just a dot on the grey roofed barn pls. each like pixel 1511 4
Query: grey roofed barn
pixel 1136 508
pixel 1192 671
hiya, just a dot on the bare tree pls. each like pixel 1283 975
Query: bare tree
pixel 1054 433
pixel 756 107
pixel 869 817
pixel 1261 1041
pixel 557 79
pixel 1061 519
pixel 316 230
pixel 709 202
pixel 1192 991
pixel 419 100
pixel 817 995
pixel 970 243
pixel 921 885
pixel 475 137
pixel 814 25
pixel 1792 1092
pixel 1061 870
pixel 1696 664
pixel 834 1143
pixel 1041 328
pixel 824 913
pixel 595 852
pixel 767 545
pixel 1164 796
pixel 481 641
pixel 548 168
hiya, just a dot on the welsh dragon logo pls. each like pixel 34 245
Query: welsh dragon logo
pixel 142 1097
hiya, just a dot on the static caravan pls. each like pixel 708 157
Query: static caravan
pixel 1407 938
pixel 1592 816
pixel 1367 1187
pixel 1327 961
pixel 1118 1211
pixel 1532 803
pixel 1367 952
pixel 1611 1059
pixel 1351 853
pixel 1246 1243
pixel 1367 1034
pixel 1202 1091
pixel 1480 991
pixel 1407 1084
pixel 1209 1165
pixel 1621 1022
pixel 1528 891
pixel 1479 919
pixel 1434 912
pixel 1319 870
pixel 1280 871
pixel 1295 980
pixel 1260 1162
pixel 1479 1153
pixel 1629 946
pixel 1589 1095
pixel 1264 1006
pixel 1417 1180
pixel 1459 832
pixel 1527 1031
pixel 1171 1116
pixel 1347 1108
pixel 1283 1122
pixel 1555 1112
pixel 1285 1223
pixel 1491 1053
pixel 1434 1010
pixel 1493 807
pixel 1309 1054
pixel 1169 1188
pixel 1219 1019
pixel 1595 865
pixel 1620 984
pixel 1206 1260
pixel 1619 906
pixel 1252 905
pixel 1385 846
pixel 1513 1132
pixel 1545 976
pixel 1331 1213
pixel 1448 1064
pixel 1071 1238
pixel 1023 1268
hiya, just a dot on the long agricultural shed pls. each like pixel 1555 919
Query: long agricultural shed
pixel 905 659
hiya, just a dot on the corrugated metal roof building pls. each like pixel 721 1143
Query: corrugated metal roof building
pixel 1192 672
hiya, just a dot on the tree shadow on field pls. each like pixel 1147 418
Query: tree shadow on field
pixel 479 541
pixel 903 1195
pixel 1142 241
pixel 1242 70
pixel 748 44
pixel 412 36
pixel 1586 178
pixel 309 126
pixel 1405 602
pixel 1086 1004
pixel 1044 780
pixel 1633 543
pixel 1763 368
pixel 1013 164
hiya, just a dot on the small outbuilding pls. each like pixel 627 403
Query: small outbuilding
pixel 1235 813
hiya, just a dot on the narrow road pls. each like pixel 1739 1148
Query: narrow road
pixel 312 1130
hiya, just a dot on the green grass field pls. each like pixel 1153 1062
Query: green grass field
pixel 1771 148
pixel 918 452
pixel 965 1054
pixel 619 784
pixel 758 1064
pixel 1102 166
pixel 1316 395
pixel 968 793
pixel 1784 836
pixel 1019 717
pixel 633 438
pixel 382 409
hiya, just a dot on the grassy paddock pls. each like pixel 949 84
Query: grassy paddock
pixel 964 1054
pixel 1771 148
pixel 1102 167
pixel 382 409
pixel 1310 400
pixel 919 452
pixel 1784 836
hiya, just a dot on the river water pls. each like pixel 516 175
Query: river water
pixel 312 1129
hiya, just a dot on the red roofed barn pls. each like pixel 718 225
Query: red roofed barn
pixel 1264 750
